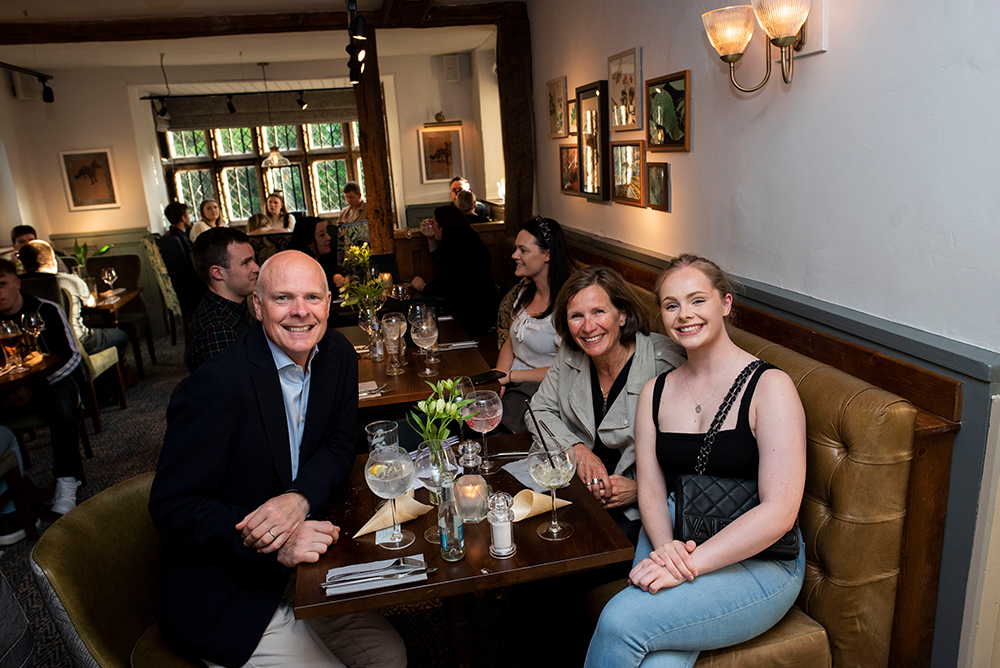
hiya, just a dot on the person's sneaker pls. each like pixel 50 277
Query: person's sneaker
pixel 11 529
pixel 65 496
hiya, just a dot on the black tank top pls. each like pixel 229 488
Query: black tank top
pixel 734 454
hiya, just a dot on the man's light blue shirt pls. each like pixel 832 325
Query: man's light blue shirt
pixel 295 393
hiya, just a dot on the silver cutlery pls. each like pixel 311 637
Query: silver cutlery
pixel 383 576
pixel 377 390
pixel 408 562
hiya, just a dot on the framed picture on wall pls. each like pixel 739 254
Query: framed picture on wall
pixel 89 177
pixel 625 82
pixel 592 141
pixel 569 170
pixel 628 172
pixel 668 122
pixel 571 116
pixel 658 186
pixel 556 90
pixel 440 153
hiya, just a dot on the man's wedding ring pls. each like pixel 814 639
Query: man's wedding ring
pixel 272 533
pixel 594 481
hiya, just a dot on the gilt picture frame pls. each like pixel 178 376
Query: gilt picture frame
pixel 668 116
pixel 628 172
pixel 569 170
pixel 592 141
pixel 556 94
pixel 440 153
pixel 658 186
pixel 89 179
pixel 571 117
pixel 625 90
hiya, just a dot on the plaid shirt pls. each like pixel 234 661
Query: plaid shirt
pixel 216 323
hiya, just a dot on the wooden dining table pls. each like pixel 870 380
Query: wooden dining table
pixel 410 387
pixel 596 542
pixel 15 379
pixel 110 309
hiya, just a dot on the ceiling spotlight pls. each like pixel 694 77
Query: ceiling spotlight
pixel 163 108
pixel 356 52
pixel 357 29
pixel 47 95
pixel 302 103
pixel 230 106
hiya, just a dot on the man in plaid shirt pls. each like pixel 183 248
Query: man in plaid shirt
pixel 223 257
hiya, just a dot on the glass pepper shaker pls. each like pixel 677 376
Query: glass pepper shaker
pixel 501 519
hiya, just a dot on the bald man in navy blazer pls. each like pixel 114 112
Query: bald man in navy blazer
pixel 258 440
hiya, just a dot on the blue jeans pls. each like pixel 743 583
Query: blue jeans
pixel 717 609
pixel 8 441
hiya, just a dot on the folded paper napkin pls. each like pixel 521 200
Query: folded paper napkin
pixel 528 504
pixel 407 508
pixel 369 389
pixel 359 569
pixel 33 358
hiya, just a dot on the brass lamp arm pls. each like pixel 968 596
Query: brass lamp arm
pixel 787 67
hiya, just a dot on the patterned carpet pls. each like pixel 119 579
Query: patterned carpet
pixel 130 444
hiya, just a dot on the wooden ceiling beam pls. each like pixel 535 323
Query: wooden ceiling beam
pixel 425 15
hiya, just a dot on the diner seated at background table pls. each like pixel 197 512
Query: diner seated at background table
pixel 260 225
pixel 460 184
pixel 311 237
pixel 542 262
pixel 276 213
pixel 357 207
pixel 466 203
pixel 589 396
pixel 175 249
pixel 717 593
pixel 21 235
pixel 211 216
pixel 463 273
pixel 38 259
pixel 258 441
pixel 55 397
pixel 224 259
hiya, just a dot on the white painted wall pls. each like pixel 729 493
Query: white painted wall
pixel 870 182
pixel 487 104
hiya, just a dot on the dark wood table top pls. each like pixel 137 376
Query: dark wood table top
pixel 596 542
pixel 410 387
pixel 103 306
pixel 12 380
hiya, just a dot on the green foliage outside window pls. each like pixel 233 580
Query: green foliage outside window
pixel 329 177
pixel 193 187
pixel 187 144
pixel 242 194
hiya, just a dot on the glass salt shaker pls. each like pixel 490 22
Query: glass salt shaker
pixel 501 519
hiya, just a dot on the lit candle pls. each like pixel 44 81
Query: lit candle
pixel 471 494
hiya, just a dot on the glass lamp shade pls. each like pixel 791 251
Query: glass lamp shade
pixel 729 30
pixel 275 159
pixel 781 19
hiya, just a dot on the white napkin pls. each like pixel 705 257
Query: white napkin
pixel 369 386
pixel 349 587
pixel 519 469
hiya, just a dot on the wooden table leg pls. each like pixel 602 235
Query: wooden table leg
pixel 460 611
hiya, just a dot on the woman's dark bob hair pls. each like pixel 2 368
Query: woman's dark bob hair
pixel 622 297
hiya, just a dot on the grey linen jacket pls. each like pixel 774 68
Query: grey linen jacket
pixel 565 404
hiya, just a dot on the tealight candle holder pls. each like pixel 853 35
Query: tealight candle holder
pixel 472 495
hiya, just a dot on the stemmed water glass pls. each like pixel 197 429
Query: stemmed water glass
pixel 393 326
pixel 425 334
pixel 483 414
pixel 34 324
pixel 109 276
pixel 552 467
pixel 389 474
pixel 10 338
pixel 418 311
pixel 430 466
pixel 369 323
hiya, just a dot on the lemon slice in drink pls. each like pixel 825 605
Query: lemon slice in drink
pixel 377 470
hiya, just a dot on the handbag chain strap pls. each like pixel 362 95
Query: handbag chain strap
pixel 720 416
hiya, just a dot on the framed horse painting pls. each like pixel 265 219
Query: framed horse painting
pixel 440 152
pixel 89 177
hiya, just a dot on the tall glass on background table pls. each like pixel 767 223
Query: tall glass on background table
pixel 389 474
pixel 425 334
pixel 393 326
pixel 483 414
pixel 109 276
pixel 432 459
pixel 10 339
pixel 552 467
pixel 417 311
pixel 34 324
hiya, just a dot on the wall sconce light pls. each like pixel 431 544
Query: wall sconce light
pixel 730 30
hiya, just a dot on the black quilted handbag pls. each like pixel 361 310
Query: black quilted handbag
pixel 705 504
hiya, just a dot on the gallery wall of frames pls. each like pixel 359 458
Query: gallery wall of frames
pixel 653 117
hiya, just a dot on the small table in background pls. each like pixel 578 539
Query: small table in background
pixel 109 311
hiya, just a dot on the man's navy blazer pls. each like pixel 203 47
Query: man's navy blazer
pixel 225 453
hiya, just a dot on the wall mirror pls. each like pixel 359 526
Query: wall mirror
pixel 592 141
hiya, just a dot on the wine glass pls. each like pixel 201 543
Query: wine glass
pixel 483 414
pixel 552 467
pixel 425 333
pixel 393 326
pixel 463 389
pixel 418 311
pixel 10 339
pixel 368 321
pixel 389 474
pixel 430 464
pixel 34 324
pixel 109 276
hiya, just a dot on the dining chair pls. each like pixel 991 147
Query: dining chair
pixel 95 365
pixel 133 318
pixel 171 303
pixel 43 287
pixel 97 569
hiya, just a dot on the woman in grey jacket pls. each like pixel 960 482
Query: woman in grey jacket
pixel 589 396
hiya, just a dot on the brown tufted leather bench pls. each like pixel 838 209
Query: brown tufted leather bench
pixel 860 443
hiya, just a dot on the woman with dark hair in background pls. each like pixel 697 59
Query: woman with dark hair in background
pixel 542 262
pixel 462 272
pixel 277 214
pixel 312 238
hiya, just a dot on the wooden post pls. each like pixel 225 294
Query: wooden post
pixel 375 152
pixel 514 81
